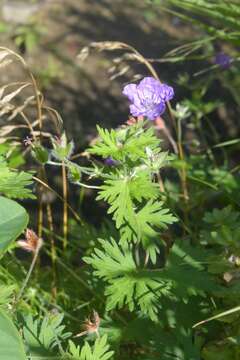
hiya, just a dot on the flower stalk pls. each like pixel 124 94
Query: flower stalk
pixel 33 244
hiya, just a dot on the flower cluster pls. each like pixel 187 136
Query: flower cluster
pixel 148 98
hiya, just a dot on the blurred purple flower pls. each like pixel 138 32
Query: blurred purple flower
pixel 148 97
pixel 223 60
pixel 111 162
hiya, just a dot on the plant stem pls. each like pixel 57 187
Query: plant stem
pixel 40 214
pixel 77 217
pixel 65 208
pixel 183 174
pixel 28 275
pixel 160 181
pixel 53 250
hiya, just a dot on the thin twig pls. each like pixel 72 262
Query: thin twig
pixel 60 197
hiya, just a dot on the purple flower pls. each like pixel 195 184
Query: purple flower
pixel 111 162
pixel 223 60
pixel 148 98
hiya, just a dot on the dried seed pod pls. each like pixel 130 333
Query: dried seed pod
pixel 31 243
pixel 90 325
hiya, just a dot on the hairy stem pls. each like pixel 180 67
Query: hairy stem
pixel 25 283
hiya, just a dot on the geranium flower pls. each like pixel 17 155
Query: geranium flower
pixel 148 98
pixel 223 60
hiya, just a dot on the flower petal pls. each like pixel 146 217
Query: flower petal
pixel 130 91
pixel 166 92
pixel 136 111
pixel 156 111
pixel 149 82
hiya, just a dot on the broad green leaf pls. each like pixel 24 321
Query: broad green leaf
pixel 13 220
pixel 11 346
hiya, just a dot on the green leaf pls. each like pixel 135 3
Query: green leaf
pixel 13 220
pixel 185 269
pixel 14 184
pixel 99 351
pixel 142 187
pixel 42 336
pixel 117 194
pixel 182 277
pixel 126 284
pixel 130 142
pixel 221 227
pixel 6 294
pixel 228 143
pixel 108 145
pixel 224 352
pixel 62 149
pixel 11 346
pixel 149 220
pixel 135 223
pixel 40 153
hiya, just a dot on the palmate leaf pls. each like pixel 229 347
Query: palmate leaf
pixel 138 140
pixel 165 343
pixel 126 284
pixel 172 337
pixel 120 194
pixel 142 187
pixel 130 190
pixel 182 278
pixel 108 144
pixel 14 184
pixel 41 337
pixel 99 351
pixel 149 220
pixel 125 142
pixel 117 194
pixel 221 228
pixel 123 196
pixel 185 269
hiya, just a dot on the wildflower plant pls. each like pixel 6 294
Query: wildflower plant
pixel 140 269
pixel 164 262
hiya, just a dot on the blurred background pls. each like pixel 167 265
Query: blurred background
pixel 50 34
